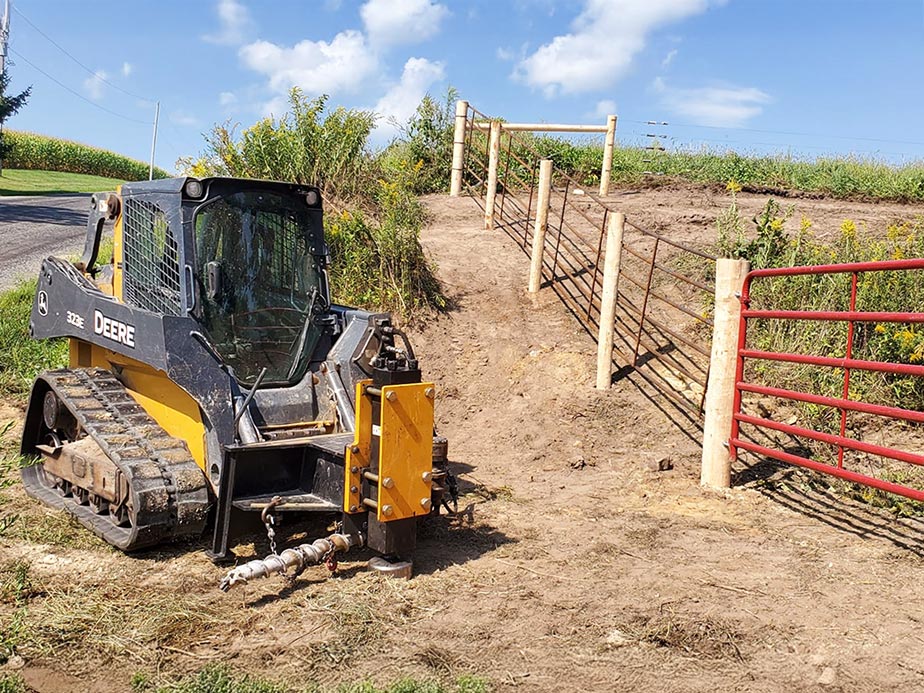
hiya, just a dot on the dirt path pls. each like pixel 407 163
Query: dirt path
pixel 573 565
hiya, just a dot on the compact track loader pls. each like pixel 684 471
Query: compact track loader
pixel 212 379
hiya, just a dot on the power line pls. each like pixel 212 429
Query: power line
pixel 786 132
pixel 76 93
pixel 776 145
pixel 91 71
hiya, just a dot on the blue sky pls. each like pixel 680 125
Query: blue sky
pixel 809 77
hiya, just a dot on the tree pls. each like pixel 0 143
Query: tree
pixel 9 105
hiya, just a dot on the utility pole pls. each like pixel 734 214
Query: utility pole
pixel 4 35
pixel 4 39
pixel 154 140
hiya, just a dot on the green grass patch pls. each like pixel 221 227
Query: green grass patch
pixel 21 357
pixel 218 678
pixel 12 683
pixel 32 151
pixel 25 182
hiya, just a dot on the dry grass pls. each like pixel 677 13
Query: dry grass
pixel 114 620
pixel 701 636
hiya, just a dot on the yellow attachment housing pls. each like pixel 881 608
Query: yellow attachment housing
pixel 359 454
pixel 405 451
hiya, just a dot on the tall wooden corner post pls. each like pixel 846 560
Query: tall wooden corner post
pixel 720 388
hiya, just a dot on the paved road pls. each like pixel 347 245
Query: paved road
pixel 32 228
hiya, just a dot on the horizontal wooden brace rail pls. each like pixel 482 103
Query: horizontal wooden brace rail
pixel 540 127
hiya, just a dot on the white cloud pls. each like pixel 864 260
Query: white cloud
pixel 95 84
pixel 505 54
pixel 234 23
pixel 318 67
pixel 604 108
pixel 722 106
pixel 227 98
pixel 184 118
pixel 604 39
pixel 127 69
pixel 398 104
pixel 390 22
pixel 669 58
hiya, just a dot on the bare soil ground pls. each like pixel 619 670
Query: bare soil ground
pixel 573 562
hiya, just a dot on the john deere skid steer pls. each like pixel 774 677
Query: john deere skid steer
pixel 212 379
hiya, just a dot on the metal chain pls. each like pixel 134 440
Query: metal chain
pixel 271 533
pixel 269 520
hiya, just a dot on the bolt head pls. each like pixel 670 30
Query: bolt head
pixel 427 477
pixel 430 393
pixel 388 482
pixel 353 508
pixel 391 396
pixel 354 469
pixel 425 503
pixel 354 449
pixel 354 489
pixel 387 510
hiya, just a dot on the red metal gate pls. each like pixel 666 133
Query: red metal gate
pixel 847 402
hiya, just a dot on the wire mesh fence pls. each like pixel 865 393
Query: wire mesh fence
pixel 664 293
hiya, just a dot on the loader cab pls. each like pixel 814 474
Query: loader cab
pixel 260 282
pixel 246 259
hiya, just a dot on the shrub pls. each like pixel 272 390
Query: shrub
pixel 373 220
pixel 425 143
pixel 42 153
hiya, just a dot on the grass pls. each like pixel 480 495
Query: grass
pixel 26 182
pixel 21 357
pixel 12 683
pixel 218 678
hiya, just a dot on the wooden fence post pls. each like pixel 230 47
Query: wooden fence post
pixel 458 149
pixel 542 224
pixel 614 232
pixel 491 192
pixel 720 389
pixel 608 143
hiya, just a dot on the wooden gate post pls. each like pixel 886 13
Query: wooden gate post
pixel 458 149
pixel 720 389
pixel 608 143
pixel 542 224
pixel 491 192
pixel 615 229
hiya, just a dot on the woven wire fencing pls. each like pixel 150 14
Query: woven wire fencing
pixel 665 293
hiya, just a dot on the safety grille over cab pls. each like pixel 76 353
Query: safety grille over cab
pixel 151 262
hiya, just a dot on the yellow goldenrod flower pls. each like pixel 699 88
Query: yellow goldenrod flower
pixel 733 187
pixel 880 329
pixel 849 228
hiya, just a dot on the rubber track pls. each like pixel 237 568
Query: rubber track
pixel 169 492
